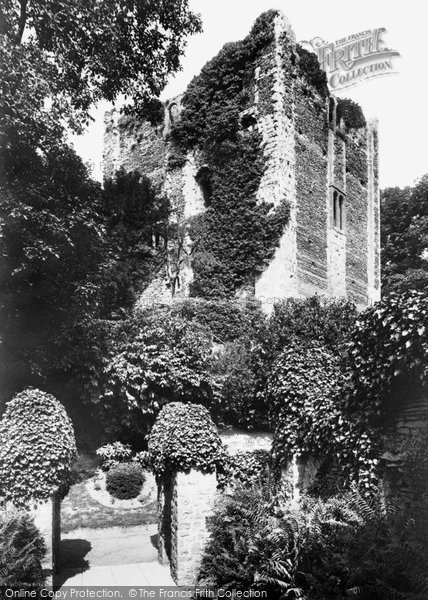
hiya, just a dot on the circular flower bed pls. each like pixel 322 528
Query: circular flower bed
pixel 124 481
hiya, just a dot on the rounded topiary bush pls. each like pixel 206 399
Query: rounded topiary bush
pixel 125 480
pixel 184 437
pixel 37 448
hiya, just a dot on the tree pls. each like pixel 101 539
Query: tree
pixel 133 211
pixel 59 58
pixel 404 237
pixel 52 242
pixel 160 358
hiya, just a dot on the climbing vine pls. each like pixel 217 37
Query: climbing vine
pixel 237 234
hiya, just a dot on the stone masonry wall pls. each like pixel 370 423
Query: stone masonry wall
pixel 193 498
pixel 306 154
pixel 275 79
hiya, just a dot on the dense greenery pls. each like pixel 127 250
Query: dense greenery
pixel 236 234
pixel 37 448
pixel 388 354
pixel 184 437
pixel 125 480
pixel 404 235
pixel 245 468
pixel 22 549
pixel 157 358
pixel 59 59
pixel 310 67
pixel 113 454
pixel 351 113
pixel 334 549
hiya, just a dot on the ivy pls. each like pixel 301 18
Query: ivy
pixel 227 320
pixel 237 234
pixel 184 437
pixel 312 71
pixel 351 113
pixel 388 352
pixel 37 448
pixel 307 389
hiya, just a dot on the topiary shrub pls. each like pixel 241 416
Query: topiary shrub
pixel 37 448
pixel 22 549
pixel 113 454
pixel 124 481
pixel 184 437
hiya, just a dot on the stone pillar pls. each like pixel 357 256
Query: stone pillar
pixel 47 519
pixel 193 496
pixel 164 519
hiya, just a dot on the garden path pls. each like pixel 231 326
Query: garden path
pixel 112 556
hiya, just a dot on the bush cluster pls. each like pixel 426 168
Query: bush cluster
pixel 125 480
pixel 114 453
pixel 184 437
pixel 338 548
pixel 37 448
pixel 22 550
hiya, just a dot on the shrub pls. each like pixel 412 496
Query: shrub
pixel 21 551
pixel 124 481
pixel 37 448
pixel 184 437
pixel 112 454
pixel 344 546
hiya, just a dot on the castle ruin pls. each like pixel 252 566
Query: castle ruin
pixel 325 169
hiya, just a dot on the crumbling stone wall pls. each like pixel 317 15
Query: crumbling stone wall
pixel 306 153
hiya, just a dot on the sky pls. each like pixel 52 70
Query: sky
pixel 399 101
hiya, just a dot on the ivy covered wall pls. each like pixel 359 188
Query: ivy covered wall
pixel 247 157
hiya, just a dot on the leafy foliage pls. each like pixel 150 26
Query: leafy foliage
pixel 124 481
pixel 73 56
pixel 130 209
pixel 184 437
pixel 21 551
pixel 404 237
pixel 37 448
pixel 309 65
pixel 158 359
pixel 245 468
pixel 227 320
pixel 335 549
pixel 388 352
pixel 304 389
pixel 51 243
pixel 351 113
pixel 236 234
pixel 113 454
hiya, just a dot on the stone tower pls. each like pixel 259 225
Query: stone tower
pixel 325 169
